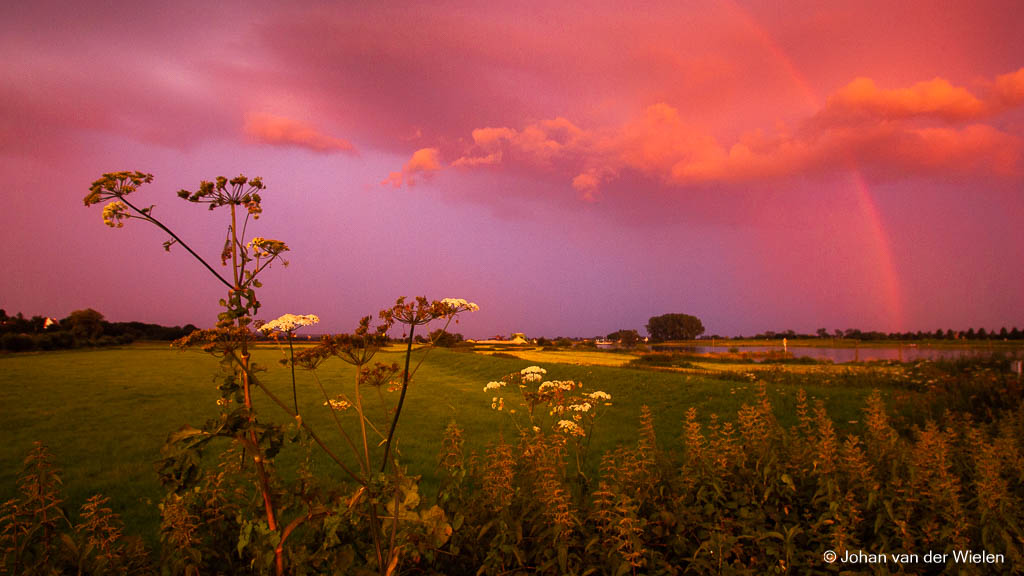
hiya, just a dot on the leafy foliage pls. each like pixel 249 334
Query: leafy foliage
pixel 38 537
pixel 674 327
pixel 748 496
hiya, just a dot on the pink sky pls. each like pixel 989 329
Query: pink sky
pixel 572 169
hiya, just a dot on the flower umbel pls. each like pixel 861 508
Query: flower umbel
pixel 569 427
pixel 533 374
pixel 423 311
pixel 289 323
pixel 115 213
pixel 116 185
pixel 456 305
pixel 266 247
pixel 338 405
pixel 239 191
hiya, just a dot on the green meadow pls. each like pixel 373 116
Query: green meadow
pixel 105 413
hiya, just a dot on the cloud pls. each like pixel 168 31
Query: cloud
pixel 281 131
pixel 1009 88
pixel 424 163
pixel 538 143
pixel 930 128
pixel 863 99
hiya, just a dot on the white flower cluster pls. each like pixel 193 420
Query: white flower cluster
pixel 559 410
pixel 570 427
pixel 599 395
pixel 533 373
pixel 458 304
pixel 493 386
pixel 338 405
pixel 557 384
pixel 289 323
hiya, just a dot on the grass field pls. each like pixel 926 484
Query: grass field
pixel 105 413
pixel 567 356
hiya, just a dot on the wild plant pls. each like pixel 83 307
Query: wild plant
pixel 32 523
pixel 100 543
pixel 38 537
pixel 996 501
pixel 559 406
pixel 937 487
pixel 387 501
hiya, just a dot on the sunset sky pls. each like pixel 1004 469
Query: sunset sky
pixel 572 169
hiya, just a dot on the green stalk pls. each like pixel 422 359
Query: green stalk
pixel 401 400
pixel 291 358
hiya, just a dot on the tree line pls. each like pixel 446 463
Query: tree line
pixel 81 328
pixel 855 334
pixel 686 327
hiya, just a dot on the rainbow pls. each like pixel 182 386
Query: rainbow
pixel 882 246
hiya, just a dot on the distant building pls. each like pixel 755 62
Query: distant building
pixel 517 338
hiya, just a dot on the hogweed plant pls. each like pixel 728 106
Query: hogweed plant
pixel 560 406
pixel 321 514
pixel 247 261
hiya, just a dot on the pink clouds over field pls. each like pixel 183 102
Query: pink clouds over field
pixel 282 131
pixel 884 132
pixel 756 163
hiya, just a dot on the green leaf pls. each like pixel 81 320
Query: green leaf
pixel 183 433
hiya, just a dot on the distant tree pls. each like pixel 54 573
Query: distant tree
pixel 674 327
pixel 970 334
pixel 982 334
pixel 949 334
pixel 627 338
pixel 1004 333
pixel 36 324
pixel 1015 333
pixel 445 339
pixel 839 333
pixel 822 333
pixel 84 324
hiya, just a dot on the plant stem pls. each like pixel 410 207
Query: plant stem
pixel 177 240
pixel 362 423
pixel 261 470
pixel 401 400
pixel 430 347
pixel 273 397
pixel 334 415
pixel 291 360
